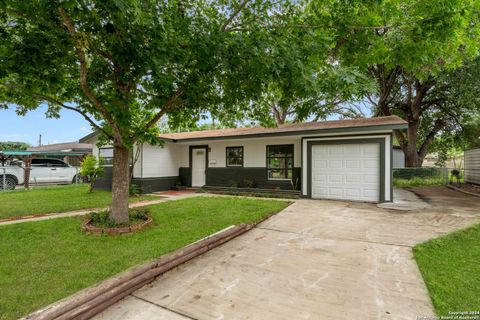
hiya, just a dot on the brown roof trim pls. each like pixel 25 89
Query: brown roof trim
pixel 333 126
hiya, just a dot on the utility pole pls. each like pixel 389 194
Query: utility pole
pixel 40 140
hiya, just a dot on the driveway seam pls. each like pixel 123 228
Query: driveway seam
pixel 163 307
pixel 345 239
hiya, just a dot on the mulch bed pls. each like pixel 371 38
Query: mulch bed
pixel 88 227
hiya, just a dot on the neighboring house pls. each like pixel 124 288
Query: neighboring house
pixel 341 159
pixel 472 166
pixel 398 158
pixel 70 152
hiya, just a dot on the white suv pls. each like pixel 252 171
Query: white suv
pixel 43 171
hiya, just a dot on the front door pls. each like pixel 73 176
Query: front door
pixel 199 161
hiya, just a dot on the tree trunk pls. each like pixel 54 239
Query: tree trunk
pixel 120 184
pixel 411 155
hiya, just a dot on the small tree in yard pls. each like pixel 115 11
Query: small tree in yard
pixel 124 64
pixel 91 169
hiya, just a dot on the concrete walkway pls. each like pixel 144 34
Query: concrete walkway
pixel 315 260
pixel 405 200
pixel 163 198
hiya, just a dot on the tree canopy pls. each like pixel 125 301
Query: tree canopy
pixel 14 145
pixel 411 49
pixel 124 64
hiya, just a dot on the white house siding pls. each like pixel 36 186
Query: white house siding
pixel 153 162
pixel 472 166
pixel 254 151
pixel 156 161
pixel 361 135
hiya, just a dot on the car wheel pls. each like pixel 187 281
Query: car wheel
pixel 10 183
pixel 74 180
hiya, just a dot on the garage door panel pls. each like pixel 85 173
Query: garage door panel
pixel 370 193
pixel 321 192
pixel 353 178
pixel 320 179
pixel 320 152
pixel 346 171
pixel 335 164
pixel 353 164
pixel 370 179
pixel 320 164
pixel 372 164
pixel 335 192
pixel 352 149
pixel 334 150
pixel 353 193
pixel 370 150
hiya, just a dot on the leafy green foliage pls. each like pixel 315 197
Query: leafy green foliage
pixel 134 190
pixel 407 33
pixel 419 182
pixel 91 168
pixel 102 218
pixel 14 145
pixel 140 213
pixel 415 52
pixel 124 64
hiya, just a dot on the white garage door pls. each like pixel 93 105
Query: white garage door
pixel 346 171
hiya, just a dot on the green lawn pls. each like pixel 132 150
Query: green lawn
pixel 418 182
pixel 44 261
pixel 55 199
pixel 450 266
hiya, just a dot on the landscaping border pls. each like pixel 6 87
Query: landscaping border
pixel 91 301
pixel 463 191
pixel 87 227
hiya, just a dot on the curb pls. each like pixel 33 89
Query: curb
pixel 463 191
pixel 80 212
pixel 91 301
pixel 42 215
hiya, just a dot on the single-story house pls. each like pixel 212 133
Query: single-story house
pixel 339 159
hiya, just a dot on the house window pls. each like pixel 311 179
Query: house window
pixel 234 156
pixel 280 162
pixel 106 155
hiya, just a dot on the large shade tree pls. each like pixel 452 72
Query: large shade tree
pixel 406 47
pixel 123 64
pixel 303 81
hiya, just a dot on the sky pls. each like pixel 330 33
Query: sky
pixel 69 127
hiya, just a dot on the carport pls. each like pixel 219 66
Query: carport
pixel 26 157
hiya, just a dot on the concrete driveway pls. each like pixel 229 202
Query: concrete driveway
pixel 315 260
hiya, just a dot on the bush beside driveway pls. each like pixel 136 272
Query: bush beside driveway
pixel 45 261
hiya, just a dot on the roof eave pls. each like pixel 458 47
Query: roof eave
pixel 385 127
